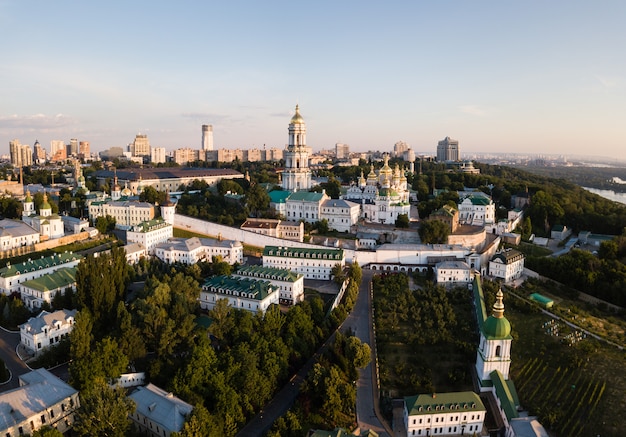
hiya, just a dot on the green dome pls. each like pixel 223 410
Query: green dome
pixel 497 328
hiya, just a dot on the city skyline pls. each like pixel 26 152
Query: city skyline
pixel 529 78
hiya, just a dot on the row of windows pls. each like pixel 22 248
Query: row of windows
pixel 451 429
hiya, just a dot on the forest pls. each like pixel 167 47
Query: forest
pixel 228 372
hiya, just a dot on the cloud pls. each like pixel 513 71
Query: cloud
pixel 205 117
pixel 472 110
pixel 36 121
pixel 607 82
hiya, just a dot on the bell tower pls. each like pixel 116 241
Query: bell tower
pixel 297 174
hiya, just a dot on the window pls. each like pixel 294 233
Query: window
pixel 497 351
pixel 43 419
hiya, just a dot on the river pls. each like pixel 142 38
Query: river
pixel 609 194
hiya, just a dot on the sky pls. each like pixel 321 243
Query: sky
pixel 537 77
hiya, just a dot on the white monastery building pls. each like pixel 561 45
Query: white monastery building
pixel 311 263
pixel 15 234
pixel 460 413
pixel 340 214
pixel 13 275
pixel 41 400
pixel 158 413
pixel 453 273
pixel 126 213
pixel 150 233
pixel 35 292
pixel 46 330
pixel 507 265
pixel 477 209
pixel 290 285
pixel 192 250
pixel 244 293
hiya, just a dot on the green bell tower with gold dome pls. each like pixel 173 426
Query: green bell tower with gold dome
pixel 494 351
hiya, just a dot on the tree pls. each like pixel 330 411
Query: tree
pixel 402 221
pixel 47 431
pixel 434 232
pixel 357 352
pixel 257 200
pixel 152 195
pixel 104 412
pixel 199 423
pixel 104 225
pixel 337 274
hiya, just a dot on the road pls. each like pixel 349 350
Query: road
pixel 367 393
pixel 8 342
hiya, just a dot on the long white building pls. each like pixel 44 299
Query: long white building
pixel 311 263
pixel 457 413
pixel 13 275
pixel 15 233
pixel 242 293
pixel 126 212
pixel 158 413
pixel 193 250
pixel 290 285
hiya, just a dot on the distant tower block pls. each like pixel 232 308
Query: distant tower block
pixel 207 137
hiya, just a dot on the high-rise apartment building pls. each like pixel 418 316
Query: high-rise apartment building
pixel 185 155
pixel 84 149
pixel 157 155
pixel 140 146
pixel 448 150
pixel 399 148
pixel 207 137
pixel 39 153
pixel 21 154
pixel 58 152
pixel 72 147
pixel 342 151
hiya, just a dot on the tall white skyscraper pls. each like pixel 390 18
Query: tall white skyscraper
pixel 448 150
pixel 207 137
pixel 157 155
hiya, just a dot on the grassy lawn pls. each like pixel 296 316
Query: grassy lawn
pixel 183 233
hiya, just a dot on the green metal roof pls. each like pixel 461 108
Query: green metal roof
pixel 60 279
pixel 277 196
pixel 541 299
pixel 433 403
pixel 150 225
pixel 505 391
pixel 269 273
pixel 38 264
pixel 306 196
pixel 302 252
pixel 244 287
pixel 479 302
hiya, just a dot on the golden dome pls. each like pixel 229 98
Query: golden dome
pixel 297 118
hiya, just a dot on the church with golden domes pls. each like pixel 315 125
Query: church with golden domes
pixel 383 196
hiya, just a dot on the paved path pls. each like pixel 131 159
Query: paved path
pixel 8 342
pixel 367 392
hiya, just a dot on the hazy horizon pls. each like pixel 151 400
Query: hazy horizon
pixel 532 77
